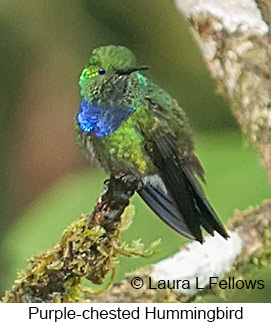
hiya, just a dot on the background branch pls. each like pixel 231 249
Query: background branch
pixel 235 43
pixel 253 227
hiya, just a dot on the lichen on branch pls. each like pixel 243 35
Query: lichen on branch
pixel 235 41
pixel 253 227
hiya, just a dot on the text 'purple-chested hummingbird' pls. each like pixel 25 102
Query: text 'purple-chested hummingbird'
pixel 132 126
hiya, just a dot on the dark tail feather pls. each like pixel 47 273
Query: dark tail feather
pixel 159 202
pixel 208 217
pixel 185 191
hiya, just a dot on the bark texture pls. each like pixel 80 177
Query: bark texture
pixel 235 41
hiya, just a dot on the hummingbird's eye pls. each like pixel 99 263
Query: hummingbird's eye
pixel 101 71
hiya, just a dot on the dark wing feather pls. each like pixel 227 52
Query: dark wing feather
pixel 208 217
pixel 171 172
pixel 159 202
pixel 184 189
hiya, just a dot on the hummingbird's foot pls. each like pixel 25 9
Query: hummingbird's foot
pixel 117 192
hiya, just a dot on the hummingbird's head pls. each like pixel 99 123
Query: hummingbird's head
pixel 106 62
pixel 110 90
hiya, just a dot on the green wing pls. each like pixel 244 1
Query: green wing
pixel 170 148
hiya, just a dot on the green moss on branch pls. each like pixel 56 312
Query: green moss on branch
pixel 87 249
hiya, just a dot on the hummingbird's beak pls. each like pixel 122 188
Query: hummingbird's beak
pixel 129 70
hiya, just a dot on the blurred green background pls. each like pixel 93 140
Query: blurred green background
pixel 45 182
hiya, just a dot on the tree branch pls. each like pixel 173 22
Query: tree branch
pixel 253 227
pixel 87 249
pixel 234 40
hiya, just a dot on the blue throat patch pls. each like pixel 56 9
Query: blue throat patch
pixel 101 120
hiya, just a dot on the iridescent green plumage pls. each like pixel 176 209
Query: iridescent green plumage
pixel 131 126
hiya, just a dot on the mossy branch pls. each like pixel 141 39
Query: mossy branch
pixel 253 226
pixel 90 246
pixel 87 249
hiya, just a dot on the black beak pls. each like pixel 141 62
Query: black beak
pixel 127 71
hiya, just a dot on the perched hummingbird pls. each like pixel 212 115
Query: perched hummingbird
pixel 132 126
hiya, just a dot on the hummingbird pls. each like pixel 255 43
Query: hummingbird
pixel 130 125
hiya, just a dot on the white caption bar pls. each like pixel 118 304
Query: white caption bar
pixel 86 312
